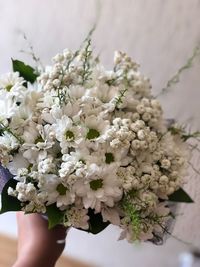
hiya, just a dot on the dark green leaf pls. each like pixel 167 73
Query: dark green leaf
pixel 25 71
pixel 55 216
pixel 96 223
pixel 180 196
pixel 8 202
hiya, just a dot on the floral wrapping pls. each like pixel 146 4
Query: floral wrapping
pixel 4 177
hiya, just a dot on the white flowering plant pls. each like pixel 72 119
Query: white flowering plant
pixel 89 147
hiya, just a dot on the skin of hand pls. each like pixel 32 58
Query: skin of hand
pixel 37 245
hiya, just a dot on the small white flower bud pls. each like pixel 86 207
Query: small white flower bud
pixel 141 134
pixel 165 163
pixel 140 109
pixel 135 144
pixel 164 179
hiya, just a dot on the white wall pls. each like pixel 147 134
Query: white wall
pixel 160 35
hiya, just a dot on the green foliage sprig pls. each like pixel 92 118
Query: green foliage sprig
pixel 118 99
pixel 132 215
pixel 176 77
pixel 86 62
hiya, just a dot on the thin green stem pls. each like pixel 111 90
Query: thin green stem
pixel 176 77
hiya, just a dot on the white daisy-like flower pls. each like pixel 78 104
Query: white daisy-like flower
pixel 106 155
pixel 12 82
pixel 101 186
pixel 8 107
pixel 105 93
pixel 57 192
pixel 96 128
pixel 8 139
pixel 21 118
pixel 39 138
pixel 91 106
pixel 66 133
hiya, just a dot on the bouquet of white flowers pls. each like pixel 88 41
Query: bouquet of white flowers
pixel 89 147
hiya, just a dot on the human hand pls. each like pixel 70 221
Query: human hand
pixel 37 245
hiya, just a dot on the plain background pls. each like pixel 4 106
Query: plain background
pixel 158 34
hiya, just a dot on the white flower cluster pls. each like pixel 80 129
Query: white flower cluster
pixel 89 139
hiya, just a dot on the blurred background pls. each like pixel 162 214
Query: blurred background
pixel 161 36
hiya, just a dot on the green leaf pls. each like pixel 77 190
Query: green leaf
pixel 55 216
pixel 96 223
pixel 180 196
pixel 9 203
pixel 25 71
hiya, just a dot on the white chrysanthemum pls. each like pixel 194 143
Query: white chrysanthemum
pixel 70 110
pixel 105 93
pixel 8 80
pixel 13 84
pixel 32 97
pixel 100 186
pixel 106 155
pixel 57 192
pixel 66 133
pixel 96 127
pixel 7 107
pixel 21 118
pixel 91 106
pixel 39 137
pixel 47 100
pixel 9 141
